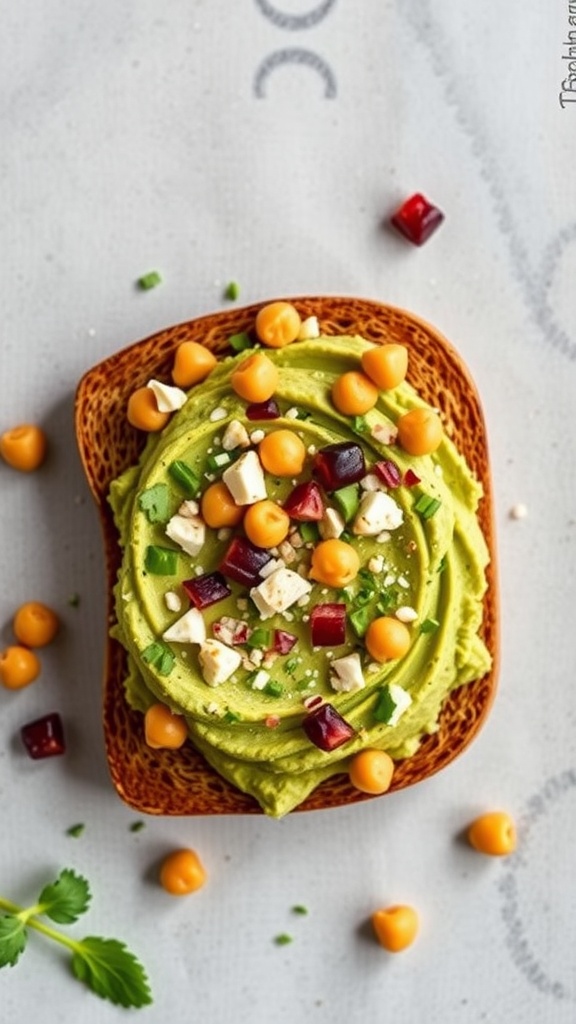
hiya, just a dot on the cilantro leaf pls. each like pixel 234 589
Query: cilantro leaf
pixel 66 898
pixel 155 502
pixel 12 939
pixel 111 971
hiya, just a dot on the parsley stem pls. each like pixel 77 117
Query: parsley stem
pixel 28 918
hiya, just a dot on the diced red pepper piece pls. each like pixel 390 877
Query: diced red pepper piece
pixel 326 728
pixel 337 465
pixel 388 472
pixel 328 625
pixel 417 219
pixel 410 478
pixel 283 641
pixel 263 410
pixel 44 737
pixel 305 503
pixel 243 562
pixel 206 589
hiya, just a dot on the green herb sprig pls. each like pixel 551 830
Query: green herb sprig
pixel 106 966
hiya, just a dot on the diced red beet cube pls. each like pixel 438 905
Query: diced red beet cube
pixel 410 478
pixel 328 625
pixel 44 737
pixel 326 728
pixel 305 503
pixel 243 562
pixel 388 472
pixel 283 641
pixel 337 465
pixel 263 410
pixel 206 589
pixel 417 219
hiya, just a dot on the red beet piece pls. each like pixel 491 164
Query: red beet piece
pixel 206 589
pixel 243 562
pixel 326 728
pixel 410 478
pixel 44 737
pixel 263 410
pixel 417 219
pixel 388 472
pixel 305 503
pixel 283 641
pixel 339 464
pixel 328 625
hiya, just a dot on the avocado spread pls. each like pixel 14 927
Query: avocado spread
pixel 249 660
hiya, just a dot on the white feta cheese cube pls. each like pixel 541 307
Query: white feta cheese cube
pixel 168 398
pixel 331 525
pixel 217 662
pixel 279 591
pixel 245 479
pixel 235 436
pixel 188 629
pixel 377 512
pixel 346 674
pixel 189 532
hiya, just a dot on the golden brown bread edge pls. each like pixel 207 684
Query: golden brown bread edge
pixel 180 782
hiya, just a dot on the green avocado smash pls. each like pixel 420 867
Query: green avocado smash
pixel 428 569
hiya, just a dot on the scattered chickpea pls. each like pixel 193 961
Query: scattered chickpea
pixel 395 927
pixel 278 324
pixel 420 431
pixel 182 873
pixel 255 379
pixel 192 364
pixel 24 447
pixel 143 412
pixel 266 524
pixel 334 562
pixel 386 365
pixel 387 638
pixel 353 393
pixel 219 508
pixel 371 771
pixel 35 625
pixel 493 833
pixel 282 453
pixel 19 667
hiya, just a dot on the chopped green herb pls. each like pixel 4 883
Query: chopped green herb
pixel 291 665
pixel 429 625
pixel 347 500
pixel 161 561
pixel 303 414
pixel 106 966
pixel 360 620
pixel 385 706
pixel 426 506
pixel 388 599
pixel 137 826
pixel 364 596
pixel 231 717
pixel 219 460
pixel 155 502
pixel 240 342
pixel 283 939
pixel 359 424
pixel 299 908
pixel 273 688
pixel 150 280
pixel 75 830
pixel 74 600
pixel 259 638
pixel 309 532
pixel 160 657
pixel 442 564
pixel 186 478
pixel 232 290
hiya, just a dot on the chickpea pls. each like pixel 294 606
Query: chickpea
pixel 218 507
pixel 143 412
pixel 35 625
pixel 371 771
pixel 24 447
pixel 387 638
pixel 163 729
pixel 192 364
pixel 19 667
pixel 395 927
pixel 266 524
pixel 493 833
pixel 278 324
pixel 386 365
pixel 353 393
pixel 420 431
pixel 182 873
pixel 334 562
pixel 282 453
pixel 256 379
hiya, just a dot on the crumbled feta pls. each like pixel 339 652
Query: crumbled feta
pixel 271 566
pixel 173 601
pixel 406 614
pixel 291 413
pixel 346 674
pixel 235 436
pixel 279 591
pixel 245 479
pixel 189 508
pixel 287 551
pixel 189 532
pixel 377 512
pixel 371 482
pixel 309 328
pixel 256 436
pixel 385 433
pixel 217 662
pixel 188 629
pixel 376 563
pixel 217 414
pixel 331 525
pixel 168 398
